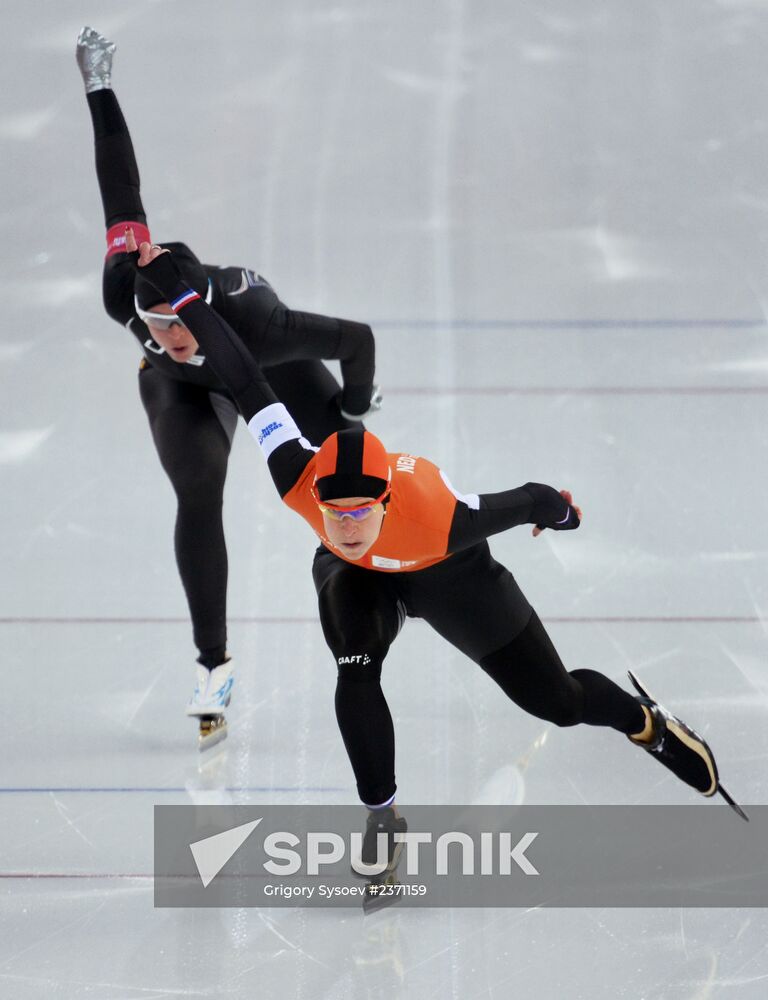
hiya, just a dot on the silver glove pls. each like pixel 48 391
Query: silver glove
pixel 94 57
pixel 376 401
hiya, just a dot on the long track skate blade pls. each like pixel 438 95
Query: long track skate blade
pixel 213 729
pixel 378 896
pixel 732 803
pixel 639 687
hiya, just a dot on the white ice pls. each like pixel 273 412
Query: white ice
pixel 554 216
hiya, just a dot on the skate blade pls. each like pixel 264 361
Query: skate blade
pixel 732 803
pixel 197 712
pixel 639 687
pixel 726 795
pixel 375 900
pixel 213 729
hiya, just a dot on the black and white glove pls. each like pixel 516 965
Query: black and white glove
pixel 551 509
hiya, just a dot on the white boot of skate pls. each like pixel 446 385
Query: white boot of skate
pixel 212 694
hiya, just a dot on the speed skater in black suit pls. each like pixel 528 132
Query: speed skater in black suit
pixel 192 415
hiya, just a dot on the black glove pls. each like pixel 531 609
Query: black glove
pixel 550 510
pixel 359 402
pixel 162 273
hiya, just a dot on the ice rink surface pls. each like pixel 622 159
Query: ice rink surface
pixel 555 217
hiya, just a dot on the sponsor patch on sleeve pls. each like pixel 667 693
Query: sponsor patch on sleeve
pixel 272 427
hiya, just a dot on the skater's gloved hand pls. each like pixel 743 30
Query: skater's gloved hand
pixel 552 509
pixel 373 407
pixel 145 253
pixel 157 265
pixel 94 57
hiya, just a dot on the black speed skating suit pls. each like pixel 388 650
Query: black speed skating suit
pixel 191 414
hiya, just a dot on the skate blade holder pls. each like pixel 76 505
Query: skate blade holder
pixel 377 897
pixel 213 729
pixel 641 689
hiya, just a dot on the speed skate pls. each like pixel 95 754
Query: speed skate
pixel 672 730
pixel 212 694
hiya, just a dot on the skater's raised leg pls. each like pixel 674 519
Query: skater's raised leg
pixel 530 672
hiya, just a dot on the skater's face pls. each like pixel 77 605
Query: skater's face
pixel 353 538
pixel 176 340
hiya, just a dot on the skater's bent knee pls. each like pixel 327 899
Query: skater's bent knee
pixel 540 687
pixel 565 711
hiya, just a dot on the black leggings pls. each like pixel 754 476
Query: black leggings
pixel 193 445
pixel 192 428
pixel 361 612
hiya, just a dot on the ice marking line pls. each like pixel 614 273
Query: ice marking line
pixel 578 390
pixel 74 875
pixel 571 324
pixel 279 620
pixel 167 790
pixel 284 620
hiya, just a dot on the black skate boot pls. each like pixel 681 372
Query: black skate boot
pixel 679 748
pixel 682 750
pixel 386 822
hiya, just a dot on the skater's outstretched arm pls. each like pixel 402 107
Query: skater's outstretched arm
pixel 116 170
pixel 480 516
pixel 287 452
pixel 290 335
pixel 294 336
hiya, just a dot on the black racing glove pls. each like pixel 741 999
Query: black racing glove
pixel 162 273
pixel 359 402
pixel 550 510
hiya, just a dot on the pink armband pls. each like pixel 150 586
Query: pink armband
pixel 116 236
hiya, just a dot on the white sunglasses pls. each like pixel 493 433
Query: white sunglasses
pixel 164 321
